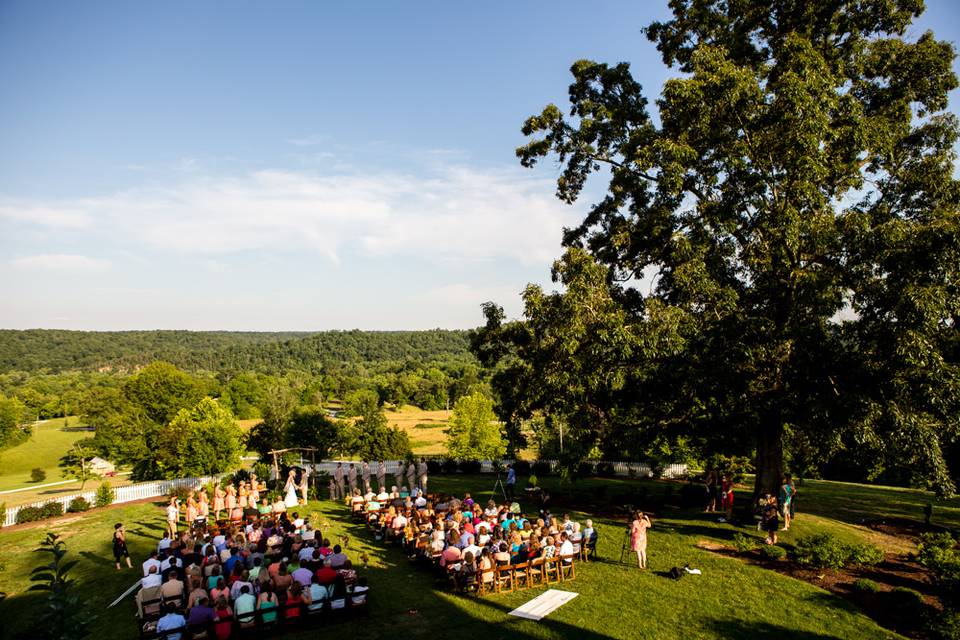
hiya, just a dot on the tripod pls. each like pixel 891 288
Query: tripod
pixel 499 485
pixel 625 545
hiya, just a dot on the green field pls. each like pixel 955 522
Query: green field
pixel 44 449
pixel 731 599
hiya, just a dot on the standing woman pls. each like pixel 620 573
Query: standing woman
pixel 203 506
pixel 231 498
pixel 638 537
pixel 727 495
pixel 193 510
pixel 243 495
pixel 254 498
pixel 173 514
pixel 218 496
pixel 785 498
pixel 120 546
pixel 711 485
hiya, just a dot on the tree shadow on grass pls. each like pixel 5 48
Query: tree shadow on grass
pixel 99 558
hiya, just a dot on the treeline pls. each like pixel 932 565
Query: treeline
pixel 225 352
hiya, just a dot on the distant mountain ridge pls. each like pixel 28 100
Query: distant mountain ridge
pixel 56 350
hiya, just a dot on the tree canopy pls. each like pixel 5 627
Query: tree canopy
pixel 474 433
pixel 774 265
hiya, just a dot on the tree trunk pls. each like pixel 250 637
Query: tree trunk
pixel 769 463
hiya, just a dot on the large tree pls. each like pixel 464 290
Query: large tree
pixel 796 211
pixel 199 441
pixel 474 433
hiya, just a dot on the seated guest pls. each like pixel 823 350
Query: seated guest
pixel 196 594
pixel 172 589
pixel 152 561
pixel 566 547
pixel 148 600
pixel 303 576
pixel 223 617
pixel 220 590
pixel 450 556
pixel 291 608
pixel 318 592
pixel 237 585
pixel 327 574
pixel 202 613
pixel 338 558
pixel 265 507
pixel 171 621
pixel 245 604
pixel 283 579
pixel 359 594
pixel 267 603
pixel 152 579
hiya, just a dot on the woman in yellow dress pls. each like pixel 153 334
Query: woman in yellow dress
pixel 231 498
pixel 218 497
pixel 243 495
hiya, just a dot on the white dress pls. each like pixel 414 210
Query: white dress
pixel 291 499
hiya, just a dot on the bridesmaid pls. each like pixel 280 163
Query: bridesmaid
pixel 243 495
pixel 203 506
pixel 218 497
pixel 192 509
pixel 231 499
pixel 254 498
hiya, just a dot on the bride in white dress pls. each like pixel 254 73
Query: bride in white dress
pixel 290 499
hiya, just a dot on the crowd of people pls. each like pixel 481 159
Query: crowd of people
pixel 222 577
pixel 770 509
pixel 467 540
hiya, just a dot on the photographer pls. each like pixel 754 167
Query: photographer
pixel 638 537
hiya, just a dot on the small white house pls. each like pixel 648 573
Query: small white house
pixel 101 467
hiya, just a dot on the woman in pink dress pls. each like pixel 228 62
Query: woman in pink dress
pixel 231 498
pixel 727 495
pixel 203 505
pixel 254 498
pixel 218 496
pixel 243 495
pixel 192 509
pixel 638 537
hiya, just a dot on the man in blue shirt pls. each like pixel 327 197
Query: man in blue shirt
pixel 170 622
pixel 511 480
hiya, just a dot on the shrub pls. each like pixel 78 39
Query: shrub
pixel 866 585
pixel 865 554
pixel 78 505
pixel 450 465
pixel 181 492
pixel 240 475
pixel 906 603
pixel 821 551
pixel 521 467
pixel 37 475
pixel 585 469
pixel 33 514
pixel 743 543
pixel 773 552
pixel 938 552
pixel 469 466
pixel 105 495
pixel 434 467
pixel 541 468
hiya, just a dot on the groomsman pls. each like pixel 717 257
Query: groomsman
pixel 382 475
pixel 422 475
pixel 411 476
pixel 365 474
pixel 352 478
pixel 338 479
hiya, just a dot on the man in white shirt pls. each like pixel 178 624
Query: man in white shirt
pixel 151 562
pixel 171 561
pixel 164 543
pixel 566 547
pixel 152 579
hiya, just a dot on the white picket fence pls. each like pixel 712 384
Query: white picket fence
pixel 129 493
pixel 640 469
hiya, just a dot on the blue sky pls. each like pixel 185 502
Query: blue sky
pixel 290 165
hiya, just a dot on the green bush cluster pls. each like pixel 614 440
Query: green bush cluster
pixel 743 543
pixel 32 514
pixel 825 551
pixel 938 552
pixel 78 505
pixel 37 475
pixel 866 585
pixel 105 495
pixel 773 552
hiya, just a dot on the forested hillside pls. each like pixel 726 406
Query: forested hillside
pixel 222 351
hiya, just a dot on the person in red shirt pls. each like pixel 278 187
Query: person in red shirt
pixel 326 574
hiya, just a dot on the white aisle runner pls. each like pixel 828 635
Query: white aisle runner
pixel 543 604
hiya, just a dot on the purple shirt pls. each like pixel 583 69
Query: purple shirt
pixel 303 576
pixel 200 615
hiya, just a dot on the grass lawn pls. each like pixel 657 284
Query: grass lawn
pixel 44 449
pixel 731 599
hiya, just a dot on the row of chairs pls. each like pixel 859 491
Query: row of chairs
pixel 262 623
pixel 514 577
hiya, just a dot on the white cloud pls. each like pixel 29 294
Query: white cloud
pixel 44 215
pixel 60 262
pixel 452 213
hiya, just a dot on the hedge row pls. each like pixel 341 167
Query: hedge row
pixel 32 514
